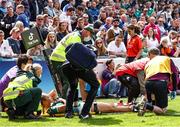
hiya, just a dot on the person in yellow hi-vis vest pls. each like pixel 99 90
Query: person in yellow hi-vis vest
pixel 58 55
pixel 158 72
pixel 22 96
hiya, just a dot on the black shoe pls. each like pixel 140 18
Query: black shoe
pixel 11 114
pixel 83 117
pixel 69 115
pixel 30 116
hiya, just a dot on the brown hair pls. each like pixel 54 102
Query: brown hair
pixel 110 36
pixel 135 28
pixel 102 50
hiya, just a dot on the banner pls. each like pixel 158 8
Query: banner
pixel 31 38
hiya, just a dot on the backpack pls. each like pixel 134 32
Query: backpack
pixel 81 56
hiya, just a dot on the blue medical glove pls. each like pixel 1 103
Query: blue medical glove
pixel 173 95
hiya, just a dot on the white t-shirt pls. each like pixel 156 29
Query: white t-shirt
pixel 64 17
pixel 152 43
pixel 112 47
pixel 6 50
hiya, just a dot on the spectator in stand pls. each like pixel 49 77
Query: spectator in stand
pixel 47 20
pixel 100 46
pixel 123 22
pixel 151 40
pixel 3 8
pixel 101 20
pixel 20 25
pixel 5 48
pixel 57 8
pixel 55 24
pixel 80 24
pixel 79 11
pixel 117 48
pixel 36 8
pixel 50 9
pixel 110 36
pixel 50 42
pixel 86 19
pixel 25 4
pixel 152 24
pixel 9 20
pixel 102 16
pixel 40 25
pixel 21 16
pixel 108 23
pixel 67 16
pixel 94 11
pixel 133 21
pixel 110 85
pixel 172 36
pixel 115 27
pixel 162 26
pixel 101 33
pixel 175 50
pixel 164 48
pixel 13 40
pixel 64 3
pixel 62 30
pixel 143 19
pixel 134 44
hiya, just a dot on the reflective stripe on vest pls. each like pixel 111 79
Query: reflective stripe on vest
pixel 58 56
pixel 11 93
pixel 59 52
pixel 23 82
pixel 18 84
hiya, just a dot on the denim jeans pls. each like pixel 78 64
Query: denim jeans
pixel 112 87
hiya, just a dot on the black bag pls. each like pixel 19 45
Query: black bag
pixel 81 57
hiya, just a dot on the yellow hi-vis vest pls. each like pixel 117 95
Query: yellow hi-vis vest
pixel 58 53
pixel 18 84
pixel 159 64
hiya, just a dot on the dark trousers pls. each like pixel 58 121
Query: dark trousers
pixel 88 76
pixel 129 59
pixel 160 90
pixel 65 84
pixel 132 84
pixel 28 101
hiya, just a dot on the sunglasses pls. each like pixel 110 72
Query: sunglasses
pixel 40 19
pixel 99 42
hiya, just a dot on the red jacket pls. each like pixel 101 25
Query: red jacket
pixel 155 27
pixel 132 68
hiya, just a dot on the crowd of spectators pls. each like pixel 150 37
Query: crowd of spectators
pixel 115 22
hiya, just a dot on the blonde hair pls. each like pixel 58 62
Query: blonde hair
pixel 19 24
pixel 47 42
pixel 102 50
